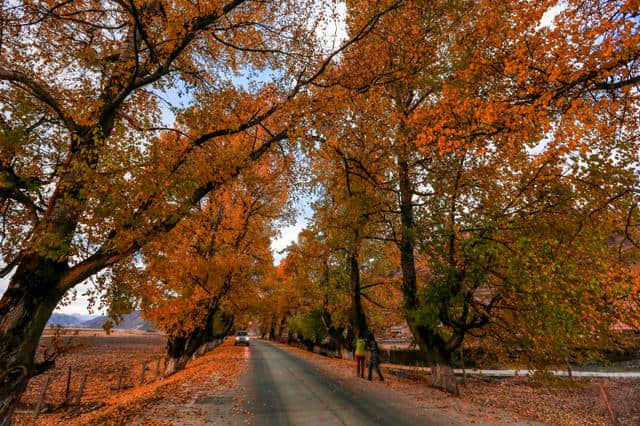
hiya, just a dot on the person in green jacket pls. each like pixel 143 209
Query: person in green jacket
pixel 360 356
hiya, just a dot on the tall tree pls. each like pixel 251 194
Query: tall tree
pixel 85 78
pixel 197 271
pixel 468 88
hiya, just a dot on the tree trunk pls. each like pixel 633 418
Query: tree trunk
pixel 444 378
pixel 407 259
pixel 358 318
pixel 283 322
pixel 429 341
pixel 335 333
pixel 433 346
pixel 272 328
pixel 230 319
pixel 180 349
pixel 25 308
pixel 407 239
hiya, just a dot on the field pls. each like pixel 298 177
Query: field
pixel 99 356
pixel 96 332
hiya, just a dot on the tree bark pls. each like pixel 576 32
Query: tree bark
pixel 180 349
pixel 358 318
pixel 283 322
pixel 444 378
pixel 434 347
pixel 38 285
pixel 428 340
pixel 335 333
pixel 25 308
pixel 272 328
pixel 407 238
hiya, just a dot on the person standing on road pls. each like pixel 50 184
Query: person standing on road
pixel 360 355
pixel 374 359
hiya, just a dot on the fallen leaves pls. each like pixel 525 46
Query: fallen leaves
pixel 160 402
pixel 511 399
pixel 170 400
pixel 100 357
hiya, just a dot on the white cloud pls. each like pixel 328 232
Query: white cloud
pixel 288 235
pixel 331 30
pixel 551 14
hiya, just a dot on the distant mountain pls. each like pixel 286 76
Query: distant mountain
pixel 65 320
pixel 132 321
pixel 84 317
pixel 94 322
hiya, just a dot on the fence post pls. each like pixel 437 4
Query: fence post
pixel 119 385
pixel 66 389
pixel 144 368
pixel 36 412
pixel 81 389
pixel 605 397
pixel 464 371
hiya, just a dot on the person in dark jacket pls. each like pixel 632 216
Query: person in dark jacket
pixel 374 359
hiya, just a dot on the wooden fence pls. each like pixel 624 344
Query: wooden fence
pixel 124 378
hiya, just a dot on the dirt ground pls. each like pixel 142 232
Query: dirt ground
pixel 100 357
pixel 563 402
pixel 159 401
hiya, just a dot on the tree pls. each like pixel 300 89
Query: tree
pixel 318 277
pixel 209 265
pixel 480 131
pixel 107 326
pixel 511 151
pixel 102 175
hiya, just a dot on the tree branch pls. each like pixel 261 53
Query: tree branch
pixel 42 93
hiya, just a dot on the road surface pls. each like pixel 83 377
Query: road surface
pixel 282 388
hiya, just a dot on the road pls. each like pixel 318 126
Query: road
pixel 281 388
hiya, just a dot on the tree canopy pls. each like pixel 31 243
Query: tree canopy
pixel 472 168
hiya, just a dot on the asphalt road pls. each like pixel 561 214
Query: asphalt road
pixel 282 388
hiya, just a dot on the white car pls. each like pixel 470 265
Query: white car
pixel 242 338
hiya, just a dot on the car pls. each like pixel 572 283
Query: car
pixel 242 338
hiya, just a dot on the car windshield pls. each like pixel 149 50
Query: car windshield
pixel 242 333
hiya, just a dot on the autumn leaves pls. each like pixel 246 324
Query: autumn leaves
pixel 477 172
pixel 82 96
pixel 490 159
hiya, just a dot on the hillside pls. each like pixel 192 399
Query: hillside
pixel 65 320
pixel 132 321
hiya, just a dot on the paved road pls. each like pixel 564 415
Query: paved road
pixel 282 388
